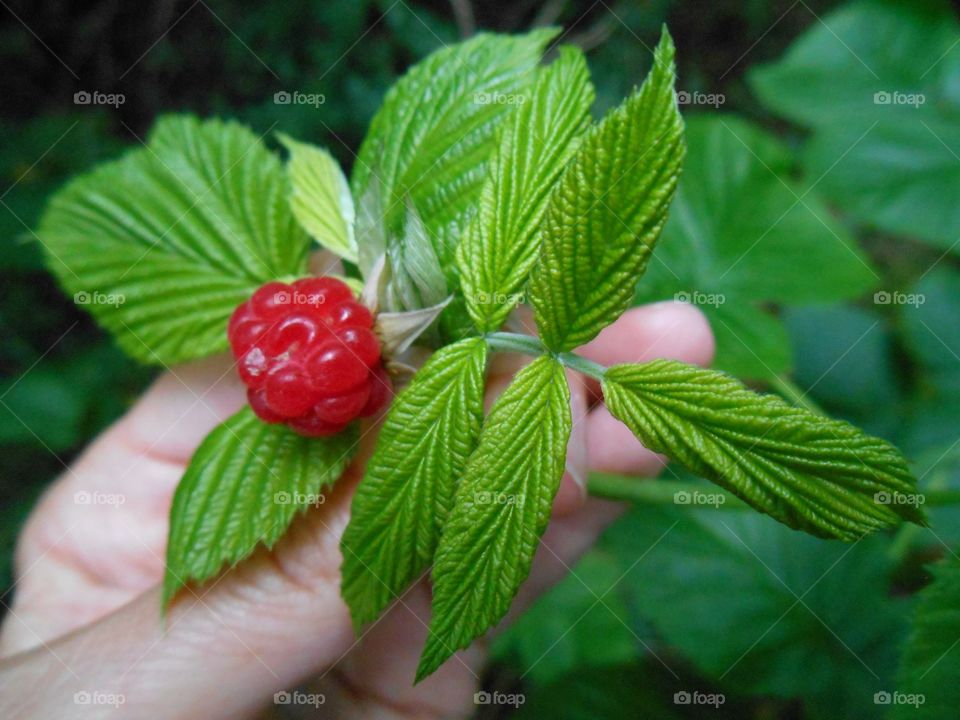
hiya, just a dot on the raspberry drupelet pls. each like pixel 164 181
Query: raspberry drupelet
pixel 308 355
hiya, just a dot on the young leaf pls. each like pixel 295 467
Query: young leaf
pixel 809 472
pixel 500 510
pixel 416 279
pixel 499 246
pixel 400 505
pixel 606 212
pixel 431 139
pixel 164 243
pixel 244 485
pixel 929 665
pixel 320 197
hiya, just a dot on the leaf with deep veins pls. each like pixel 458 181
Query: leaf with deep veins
pixel 408 488
pixel 501 509
pixel 244 485
pixel 606 212
pixel 432 138
pixel 538 138
pixel 320 197
pixel 809 472
pixel 162 244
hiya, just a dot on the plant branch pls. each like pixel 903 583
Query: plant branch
pixel 529 345
pixel 659 492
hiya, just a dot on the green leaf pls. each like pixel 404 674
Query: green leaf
pixel 244 485
pixel 932 335
pixel 741 235
pixel 751 342
pixel 811 473
pixel 607 211
pixel 760 609
pixel 431 139
pixel 164 243
pixel 320 197
pixel 407 491
pixel 877 83
pixel 500 510
pixel 558 635
pixel 844 356
pixel 538 138
pixel 416 279
pixel 931 661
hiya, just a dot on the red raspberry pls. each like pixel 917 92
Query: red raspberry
pixel 335 369
pixel 380 390
pixel 308 355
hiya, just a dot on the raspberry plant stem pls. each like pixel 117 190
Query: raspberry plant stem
pixel 529 345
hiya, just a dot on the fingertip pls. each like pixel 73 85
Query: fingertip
pixel 614 448
pixel 670 329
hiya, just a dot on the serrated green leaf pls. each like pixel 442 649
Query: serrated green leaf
pixel 320 197
pixel 431 139
pixel 416 279
pixel 931 660
pixel 500 510
pixel 407 491
pixel 538 138
pixel 607 210
pixel 244 485
pixel 164 243
pixel 811 473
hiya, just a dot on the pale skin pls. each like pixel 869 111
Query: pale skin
pixel 85 614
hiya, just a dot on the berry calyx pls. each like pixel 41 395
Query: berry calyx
pixel 308 355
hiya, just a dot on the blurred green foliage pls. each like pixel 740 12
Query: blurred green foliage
pixel 816 225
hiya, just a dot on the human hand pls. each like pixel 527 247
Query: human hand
pixel 86 615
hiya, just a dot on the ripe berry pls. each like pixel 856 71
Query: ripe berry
pixel 335 369
pixel 308 355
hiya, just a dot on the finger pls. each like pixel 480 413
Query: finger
pixel 675 330
pixel 101 556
